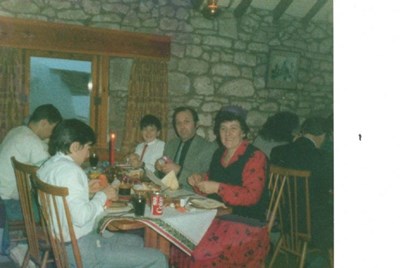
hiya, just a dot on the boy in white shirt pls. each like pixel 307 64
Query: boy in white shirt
pixel 69 146
pixel 149 151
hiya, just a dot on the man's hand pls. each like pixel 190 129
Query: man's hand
pixel 194 179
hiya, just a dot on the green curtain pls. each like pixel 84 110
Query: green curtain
pixel 148 94
pixel 12 96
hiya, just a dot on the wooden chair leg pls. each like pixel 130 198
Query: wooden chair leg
pixel 276 252
pixel 44 259
pixel 303 255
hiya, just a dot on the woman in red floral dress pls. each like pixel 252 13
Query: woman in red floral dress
pixel 237 178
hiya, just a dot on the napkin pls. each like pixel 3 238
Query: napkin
pixel 171 181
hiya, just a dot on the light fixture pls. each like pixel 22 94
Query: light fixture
pixel 213 6
pixel 211 10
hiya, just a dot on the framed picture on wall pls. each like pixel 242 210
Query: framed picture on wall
pixel 282 69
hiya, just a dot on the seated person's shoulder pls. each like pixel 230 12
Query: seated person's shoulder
pixel 279 149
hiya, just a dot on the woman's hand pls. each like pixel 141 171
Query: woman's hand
pixel 208 187
pixel 194 179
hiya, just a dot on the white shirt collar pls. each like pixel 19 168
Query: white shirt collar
pixel 308 136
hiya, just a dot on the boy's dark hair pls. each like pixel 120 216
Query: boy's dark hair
pixel 67 132
pixel 45 111
pixel 150 120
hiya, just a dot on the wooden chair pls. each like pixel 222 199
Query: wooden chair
pixel 293 215
pixel 38 247
pixel 275 188
pixel 14 228
pixel 55 210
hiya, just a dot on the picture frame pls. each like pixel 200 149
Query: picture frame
pixel 283 69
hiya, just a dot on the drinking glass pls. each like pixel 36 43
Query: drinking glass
pixel 139 203
pixel 93 160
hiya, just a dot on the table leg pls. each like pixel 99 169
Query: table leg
pixel 154 240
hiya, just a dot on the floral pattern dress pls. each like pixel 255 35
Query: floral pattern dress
pixel 236 240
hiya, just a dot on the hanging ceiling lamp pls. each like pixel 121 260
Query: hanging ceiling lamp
pixel 211 10
pixel 213 6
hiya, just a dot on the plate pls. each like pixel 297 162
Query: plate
pixel 206 203
pixel 118 207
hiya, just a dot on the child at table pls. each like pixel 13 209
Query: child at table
pixel 69 146
pixel 152 148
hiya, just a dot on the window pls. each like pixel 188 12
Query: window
pixel 76 84
pixel 67 84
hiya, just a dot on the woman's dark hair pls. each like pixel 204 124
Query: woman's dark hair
pixel 227 114
pixel 280 127
pixel 67 132
pixel 150 120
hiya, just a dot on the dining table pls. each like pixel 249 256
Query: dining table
pixel 183 229
pixel 181 226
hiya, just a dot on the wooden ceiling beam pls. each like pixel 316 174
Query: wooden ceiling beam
pixel 280 9
pixel 69 38
pixel 242 8
pixel 313 11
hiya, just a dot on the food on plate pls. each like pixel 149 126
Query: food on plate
pixel 135 174
pixel 146 187
pixel 93 175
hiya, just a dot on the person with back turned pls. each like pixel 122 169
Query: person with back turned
pixel 27 144
pixel 305 153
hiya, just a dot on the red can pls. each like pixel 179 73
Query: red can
pixel 157 203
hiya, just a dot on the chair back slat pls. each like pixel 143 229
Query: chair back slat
pixel 55 211
pixel 294 216
pixel 38 248
pixel 275 186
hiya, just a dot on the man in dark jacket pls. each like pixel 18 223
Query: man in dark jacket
pixel 305 154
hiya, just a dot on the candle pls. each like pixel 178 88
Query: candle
pixel 112 148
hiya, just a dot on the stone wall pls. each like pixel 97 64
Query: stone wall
pixel 214 62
